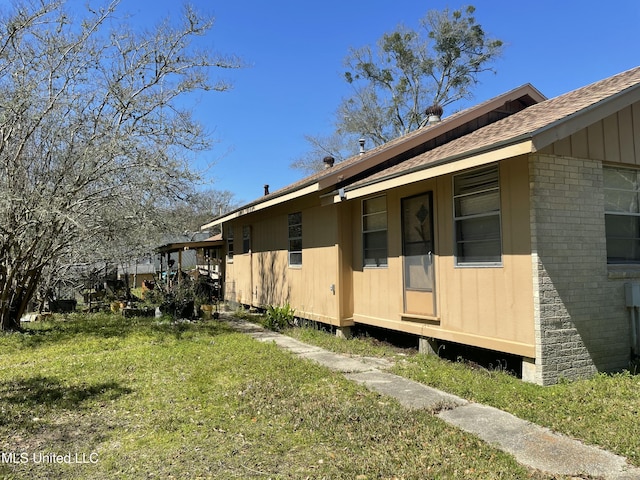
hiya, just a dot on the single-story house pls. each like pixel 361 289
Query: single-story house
pixel 136 272
pixel 512 226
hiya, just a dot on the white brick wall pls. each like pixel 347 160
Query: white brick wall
pixel 581 323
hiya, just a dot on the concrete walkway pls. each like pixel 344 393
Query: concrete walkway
pixel 530 444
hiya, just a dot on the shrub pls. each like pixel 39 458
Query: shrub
pixel 279 318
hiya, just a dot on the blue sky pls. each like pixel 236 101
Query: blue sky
pixel 294 52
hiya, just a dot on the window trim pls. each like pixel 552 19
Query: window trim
pixel 620 263
pixel 477 264
pixel 294 238
pixel 367 232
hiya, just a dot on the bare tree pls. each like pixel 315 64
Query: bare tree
pixel 196 209
pixel 407 72
pixel 92 135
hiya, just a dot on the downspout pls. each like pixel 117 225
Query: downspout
pixel 254 295
pixel 632 300
pixel 634 332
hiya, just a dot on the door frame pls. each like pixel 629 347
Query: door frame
pixel 427 295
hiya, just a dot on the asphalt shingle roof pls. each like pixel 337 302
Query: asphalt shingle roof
pixel 516 127
pixel 525 123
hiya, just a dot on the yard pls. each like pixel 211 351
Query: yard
pixel 602 411
pixel 106 397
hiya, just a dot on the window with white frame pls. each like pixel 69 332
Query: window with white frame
pixel 295 239
pixel 476 199
pixel 622 214
pixel 374 232
pixel 230 243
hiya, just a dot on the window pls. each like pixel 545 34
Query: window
pixel 374 232
pixel 246 239
pixel 295 239
pixel 476 198
pixel 230 244
pixel 622 214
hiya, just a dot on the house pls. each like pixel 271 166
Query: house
pixel 512 226
pixel 136 272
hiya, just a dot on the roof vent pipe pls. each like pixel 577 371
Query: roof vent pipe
pixel 361 142
pixel 434 114
pixel 328 161
pixel 266 189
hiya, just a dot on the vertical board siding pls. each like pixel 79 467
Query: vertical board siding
pixel 491 302
pixel 490 306
pixel 635 134
pixel 263 277
pixel 615 138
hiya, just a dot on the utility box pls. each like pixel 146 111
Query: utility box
pixel 632 294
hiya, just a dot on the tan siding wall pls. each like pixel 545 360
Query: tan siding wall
pixel 311 284
pixel 263 277
pixel 615 138
pixel 345 253
pixel 493 304
pixel 270 260
pixel 489 307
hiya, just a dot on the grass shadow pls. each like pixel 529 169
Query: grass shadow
pixel 39 390
pixel 105 325
pixel 42 414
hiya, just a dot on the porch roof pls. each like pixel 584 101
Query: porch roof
pixel 215 241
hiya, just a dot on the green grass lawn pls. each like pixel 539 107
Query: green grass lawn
pixel 603 411
pixel 138 398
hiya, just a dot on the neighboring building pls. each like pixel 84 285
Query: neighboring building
pixel 187 252
pixel 512 226
pixel 198 253
pixel 135 273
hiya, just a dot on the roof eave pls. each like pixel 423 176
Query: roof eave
pixel 473 158
pixel 370 160
pixel 262 204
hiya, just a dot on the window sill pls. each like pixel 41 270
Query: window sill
pixel 480 265
pixel 623 271
pixel 413 317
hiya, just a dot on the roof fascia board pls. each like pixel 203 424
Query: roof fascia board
pixel 174 247
pixel 429 133
pixel 445 166
pixel 255 207
pixel 567 126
